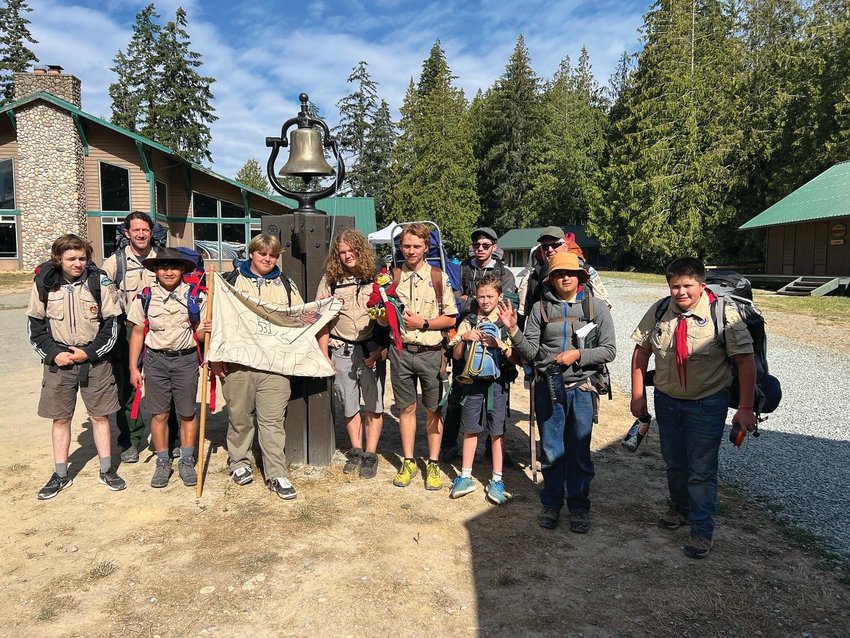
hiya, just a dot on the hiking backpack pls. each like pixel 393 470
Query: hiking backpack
pixel 159 239
pixel 489 364
pixel 47 275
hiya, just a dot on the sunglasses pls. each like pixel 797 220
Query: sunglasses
pixel 555 246
pixel 482 244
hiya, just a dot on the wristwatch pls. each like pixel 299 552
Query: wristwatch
pixel 426 325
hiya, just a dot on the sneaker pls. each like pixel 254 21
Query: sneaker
pixel 111 480
pixel 187 473
pixel 548 518
pixel 242 475
pixel 130 455
pixel 579 523
pixel 55 485
pixel 162 473
pixel 697 547
pixel 433 481
pixel 281 486
pixel 496 493
pixel 355 457
pixel 450 453
pixel 406 473
pixel 462 486
pixel 672 519
pixel 369 466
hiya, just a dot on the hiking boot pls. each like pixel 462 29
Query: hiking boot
pixel 187 473
pixel 579 524
pixel 450 453
pixel 462 486
pixel 355 457
pixel 162 473
pixel 55 485
pixel 130 455
pixel 548 518
pixel 242 475
pixel 111 480
pixel 369 466
pixel 496 493
pixel 433 481
pixel 281 486
pixel 697 547
pixel 672 519
pixel 406 473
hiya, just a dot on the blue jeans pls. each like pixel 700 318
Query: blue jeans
pixel 691 432
pixel 565 420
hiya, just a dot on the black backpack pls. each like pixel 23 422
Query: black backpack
pixel 48 276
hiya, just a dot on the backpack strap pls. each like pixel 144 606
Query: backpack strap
pixel 437 283
pixel 287 283
pixel 120 267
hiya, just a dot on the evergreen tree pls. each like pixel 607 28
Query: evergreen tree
pixel 134 91
pixel 376 162
pixel 252 174
pixel 433 166
pixel 356 113
pixel 15 55
pixel 510 123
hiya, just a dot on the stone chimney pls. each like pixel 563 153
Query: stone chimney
pixel 49 79
pixel 50 170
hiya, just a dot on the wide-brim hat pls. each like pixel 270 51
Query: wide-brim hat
pixel 568 262
pixel 168 255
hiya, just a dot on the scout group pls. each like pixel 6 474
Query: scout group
pixel 135 325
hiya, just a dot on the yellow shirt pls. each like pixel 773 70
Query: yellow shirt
pixel 353 322
pixel 416 291
pixel 168 316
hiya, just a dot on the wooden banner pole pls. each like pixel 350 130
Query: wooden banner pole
pixel 205 375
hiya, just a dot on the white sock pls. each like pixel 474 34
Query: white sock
pixel 466 472
pixel 497 476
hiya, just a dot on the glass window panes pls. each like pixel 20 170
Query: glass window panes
pixel 232 210
pixel 108 229
pixel 7 185
pixel 8 236
pixel 204 206
pixel 256 214
pixel 114 187
pixel 161 199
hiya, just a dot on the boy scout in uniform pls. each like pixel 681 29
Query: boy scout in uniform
pixel 171 359
pixel 72 326
pixel 422 355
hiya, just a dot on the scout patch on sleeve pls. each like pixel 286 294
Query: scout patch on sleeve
pixel 105 281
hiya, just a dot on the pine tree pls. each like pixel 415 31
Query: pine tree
pixel 433 166
pixel 356 113
pixel 15 55
pixel 252 174
pixel 376 162
pixel 134 91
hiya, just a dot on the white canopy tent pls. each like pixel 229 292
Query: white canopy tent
pixel 384 235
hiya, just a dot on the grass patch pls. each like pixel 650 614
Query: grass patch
pixel 15 277
pixel 262 560
pixel 18 467
pixel 103 569
pixel 505 579
pixel 639 277
pixel 820 307
pixel 53 607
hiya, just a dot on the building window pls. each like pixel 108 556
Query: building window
pixel 114 188
pixel 7 185
pixel 161 199
pixel 108 231
pixel 214 238
pixel 8 236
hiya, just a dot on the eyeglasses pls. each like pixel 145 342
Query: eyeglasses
pixel 482 244
pixel 554 246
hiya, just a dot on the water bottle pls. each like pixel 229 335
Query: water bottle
pixel 637 432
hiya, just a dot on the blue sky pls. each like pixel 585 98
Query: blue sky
pixel 264 53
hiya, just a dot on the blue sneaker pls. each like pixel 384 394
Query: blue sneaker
pixel 496 493
pixel 462 486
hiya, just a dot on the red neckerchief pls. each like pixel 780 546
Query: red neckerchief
pixel 681 341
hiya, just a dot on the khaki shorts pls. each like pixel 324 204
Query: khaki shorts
pixel 59 390
pixel 168 377
pixel 353 377
pixel 407 367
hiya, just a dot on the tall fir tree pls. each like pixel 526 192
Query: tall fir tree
pixel 252 174
pixel 15 54
pixel 376 162
pixel 357 110
pixel 510 122
pixel 433 166
pixel 134 91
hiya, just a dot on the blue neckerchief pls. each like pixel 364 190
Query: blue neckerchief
pixel 244 267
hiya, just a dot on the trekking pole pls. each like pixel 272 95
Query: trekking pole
pixel 531 438
pixel 205 375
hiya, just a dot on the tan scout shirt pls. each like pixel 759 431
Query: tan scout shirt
pixel 168 314
pixel 353 322
pixel 271 290
pixel 709 370
pixel 416 292
pixel 136 278
pixel 72 313
pixel 465 326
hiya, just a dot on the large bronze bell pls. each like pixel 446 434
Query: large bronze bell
pixel 306 157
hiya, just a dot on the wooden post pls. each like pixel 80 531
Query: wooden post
pixel 531 438
pixel 205 375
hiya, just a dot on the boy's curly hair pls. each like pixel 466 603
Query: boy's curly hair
pixel 336 272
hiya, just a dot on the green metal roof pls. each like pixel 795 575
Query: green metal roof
pixel 525 238
pixel 74 110
pixel 824 197
pixel 361 208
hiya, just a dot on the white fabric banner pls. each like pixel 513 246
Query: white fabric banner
pixel 267 336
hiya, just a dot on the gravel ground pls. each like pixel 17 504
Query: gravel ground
pixel 798 467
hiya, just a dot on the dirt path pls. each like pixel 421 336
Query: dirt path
pixel 354 557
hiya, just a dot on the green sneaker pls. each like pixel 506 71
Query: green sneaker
pixel 432 476
pixel 406 473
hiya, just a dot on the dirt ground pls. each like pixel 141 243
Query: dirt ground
pixel 361 557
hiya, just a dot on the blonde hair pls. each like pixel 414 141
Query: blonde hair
pixel 335 271
pixel 265 243
pixel 417 230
